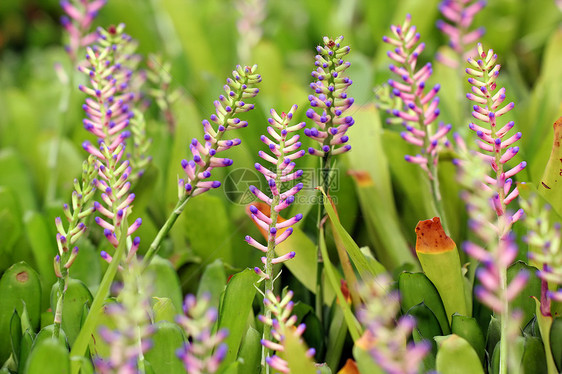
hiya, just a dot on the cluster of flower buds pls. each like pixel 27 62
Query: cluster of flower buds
pixel 132 336
pixel 330 97
pixel 158 74
pixel 459 15
pixel 141 143
pixel 284 150
pixel 198 170
pixel 420 107
pixel 205 350
pixel 492 137
pixel 282 322
pixel 109 107
pixel 114 184
pixel 545 242
pixel 76 214
pixel 494 255
pixel 79 17
pixel 384 338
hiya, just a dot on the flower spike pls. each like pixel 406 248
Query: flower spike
pixel 459 15
pixel 330 101
pixel 227 108
pixel 77 21
pixel 419 104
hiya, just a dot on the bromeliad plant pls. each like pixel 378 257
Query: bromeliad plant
pixel 117 306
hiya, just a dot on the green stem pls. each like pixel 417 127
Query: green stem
pixel 60 301
pixel 81 342
pixel 504 330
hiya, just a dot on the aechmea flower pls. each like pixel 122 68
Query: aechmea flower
pixel 141 143
pixel 544 239
pixel 131 318
pixel 251 14
pixel 281 321
pixel 284 148
pixel 158 74
pixel 227 107
pixel 330 101
pixel 385 337
pixel 459 15
pixel 494 141
pixel 76 215
pixel 116 202
pixel 420 107
pixel 109 107
pixel 77 21
pixel 205 350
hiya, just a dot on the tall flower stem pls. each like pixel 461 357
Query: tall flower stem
pixel 81 342
pixel 204 160
pixel 331 98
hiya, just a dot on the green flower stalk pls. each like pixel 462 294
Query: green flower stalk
pixel 198 169
pixel 329 103
pixel 76 215
pixel 284 148
pixel 158 75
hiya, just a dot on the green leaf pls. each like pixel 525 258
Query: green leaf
pixel 440 261
pixel 19 283
pixel 167 338
pixel 165 281
pixel 208 228
pixel 10 220
pixel 468 329
pixel 213 282
pixel 545 325
pixel 26 345
pixel 367 270
pixel 456 356
pixel 76 296
pixel 235 307
pixel 524 301
pixel 250 352
pixel 427 327
pixel 48 356
pixel 534 359
pixel 43 248
pixel 164 310
pixel 15 335
pixel 375 190
pixel 15 177
pixel 556 342
pixel 47 333
pixel 416 288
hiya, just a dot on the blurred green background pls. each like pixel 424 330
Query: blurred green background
pixel 203 42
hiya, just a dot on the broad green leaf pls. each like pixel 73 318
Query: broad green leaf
pixel 545 325
pixel 524 301
pixel 556 342
pixel 165 281
pixel 167 338
pixel 76 296
pixel 43 247
pixel 164 310
pixel 427 327
pixel 26 345
pixel 15 335
pixel 440 261
pixel 534 359
pixel 250 352
pixel 468 329
pixel 551 183
pixel 375 191
pixel 456 356
pixel 48 356
pixel 213 282
pixel 336 337
pixel 416 288
pixel 235 307
pixel 15 176
pixel 10 220
pixel 19 283
pixel 208 228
